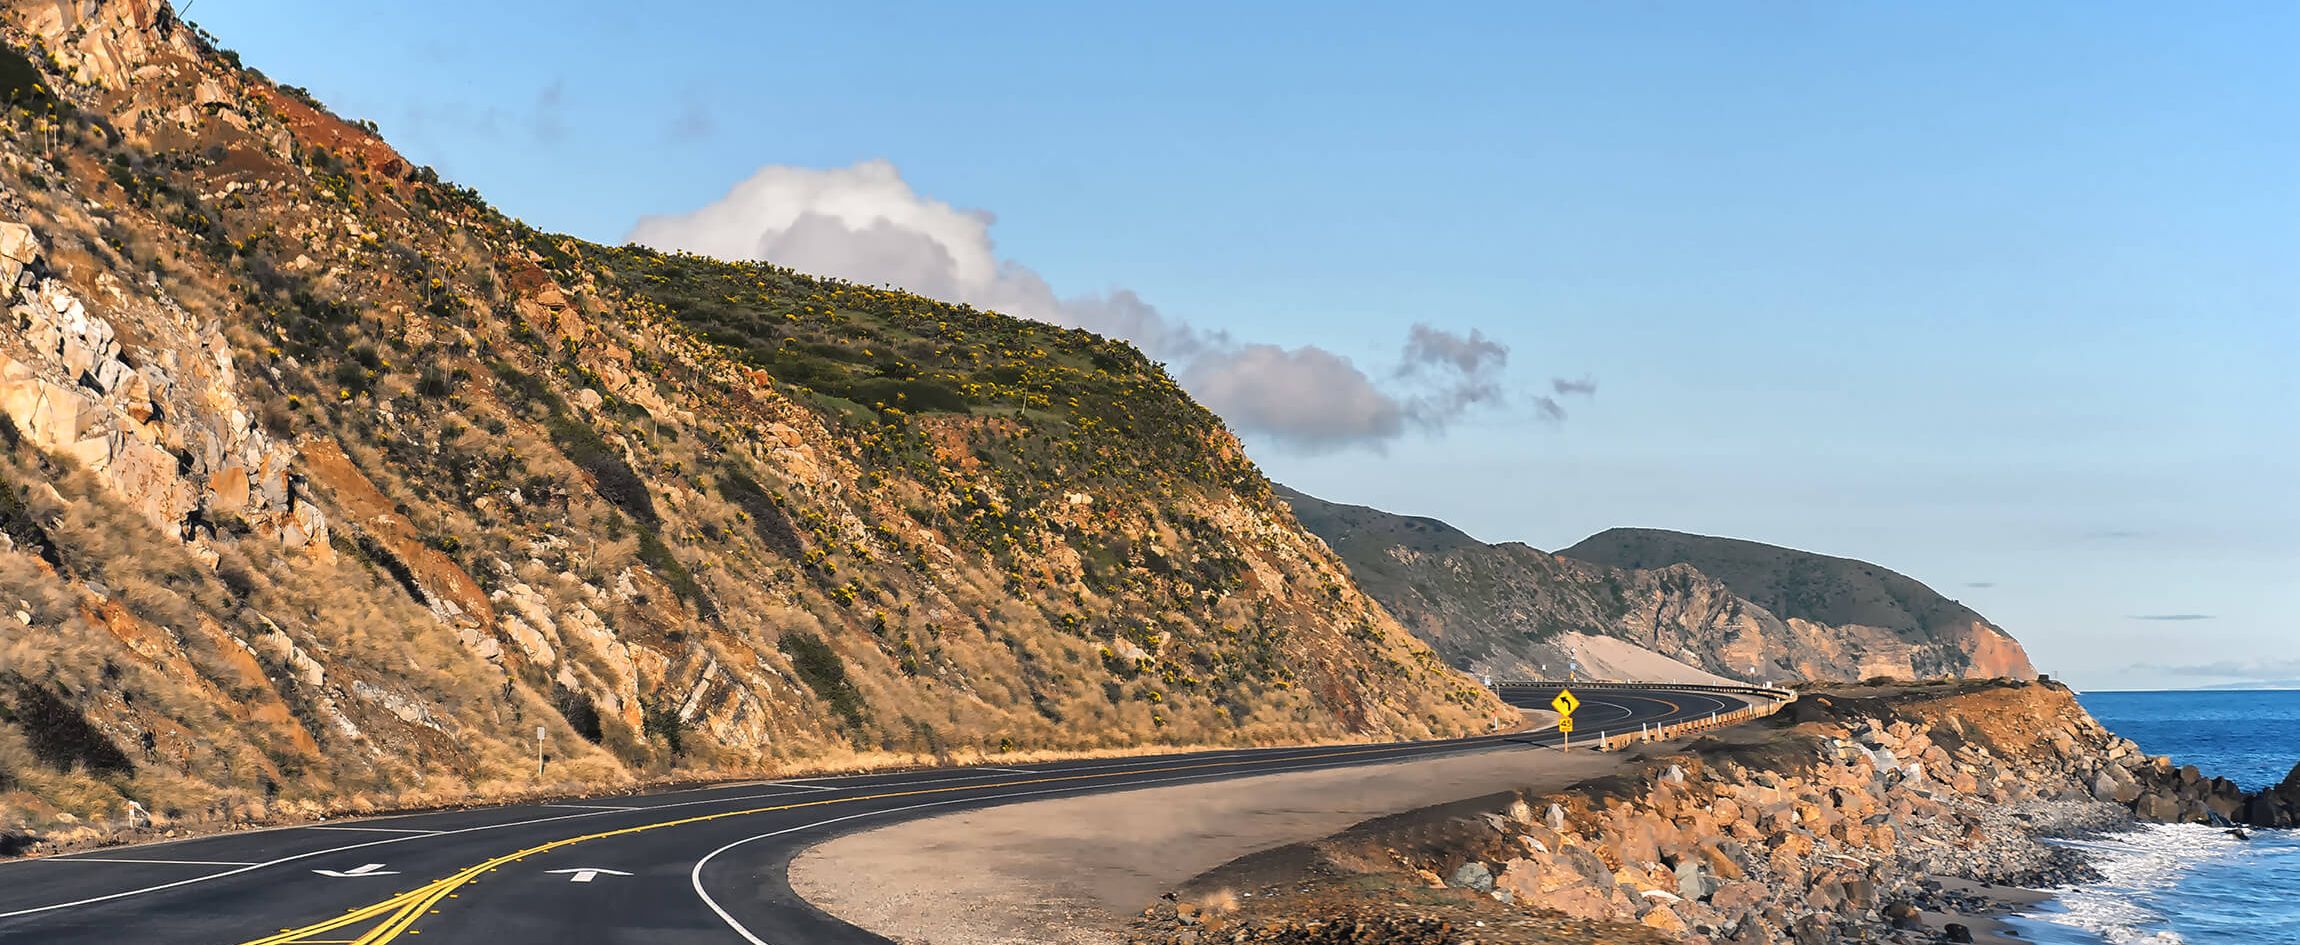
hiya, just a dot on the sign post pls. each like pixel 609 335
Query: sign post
pixel 1565 703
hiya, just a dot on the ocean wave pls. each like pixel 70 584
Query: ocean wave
pixel 2133 903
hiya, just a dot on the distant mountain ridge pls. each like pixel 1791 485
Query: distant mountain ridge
pixel 1728 607
pixel 1790 583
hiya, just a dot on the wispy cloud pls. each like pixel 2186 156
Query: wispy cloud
pixel 692 123
pixel 2174 617
pixel 548 122
pixel 1550 405
pixel 1980 583
pixel 543 124
pixel 2232 669
pixel 865 223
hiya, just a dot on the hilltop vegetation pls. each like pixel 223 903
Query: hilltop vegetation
pixel 1109 414
pixel 323 484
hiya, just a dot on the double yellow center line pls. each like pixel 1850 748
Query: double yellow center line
pixel 399 913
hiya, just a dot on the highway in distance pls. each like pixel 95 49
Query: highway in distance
pixel 700 866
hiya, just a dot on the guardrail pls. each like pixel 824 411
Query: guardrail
pixel 1773 700
pixel 1747 689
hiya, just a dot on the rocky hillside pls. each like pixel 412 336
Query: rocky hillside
pixel 1894 619
pixel 1763 614
pixel 323 484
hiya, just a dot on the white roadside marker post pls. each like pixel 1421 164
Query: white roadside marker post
pixel 540 735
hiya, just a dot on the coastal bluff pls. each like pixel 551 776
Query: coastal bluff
pixel 1906 813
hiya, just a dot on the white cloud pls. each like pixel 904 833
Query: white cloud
pixel 865 224
pixel 1306 397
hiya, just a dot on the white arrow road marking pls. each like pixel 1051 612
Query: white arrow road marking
pixel 368 870
pixel 586 874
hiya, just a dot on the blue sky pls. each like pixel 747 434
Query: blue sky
pixel 2006 298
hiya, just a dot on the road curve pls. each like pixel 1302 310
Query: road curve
pixel 702 865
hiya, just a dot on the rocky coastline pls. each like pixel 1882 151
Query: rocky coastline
pixel 1894 813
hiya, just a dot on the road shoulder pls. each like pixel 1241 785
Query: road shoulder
pixel 1076 871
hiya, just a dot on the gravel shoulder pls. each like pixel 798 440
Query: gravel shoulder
pixel 1077 871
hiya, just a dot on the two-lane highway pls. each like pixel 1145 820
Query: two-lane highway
pixel 703 865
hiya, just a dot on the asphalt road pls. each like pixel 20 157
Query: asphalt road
pixel 703 865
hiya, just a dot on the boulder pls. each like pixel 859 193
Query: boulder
pixel 1694 883
pixel 1472 875
pixel 1663 918
pixel 1581 902
pixel 1726 858
pixel 2115 785
pixel 19 249
pixel 1520 877
pixel 1735 898
pixel 2159 806
pixel 1903 914
pixel 1591 869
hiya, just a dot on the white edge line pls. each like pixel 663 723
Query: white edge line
pixel 107 859
pixel 379 830
pixel 592 806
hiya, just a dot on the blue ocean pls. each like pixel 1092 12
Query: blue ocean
pixel 2180 883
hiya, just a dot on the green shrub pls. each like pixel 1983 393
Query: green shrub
pixel 22 85
pixel 659 718
pixel 821 669
pixel 58 734
pixel 767 516
pixel 21 528
pixel 581 713
pixel 657 556
pixel 610 475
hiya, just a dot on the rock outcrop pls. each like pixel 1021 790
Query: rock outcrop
pixel 169 435
pixel 1769 614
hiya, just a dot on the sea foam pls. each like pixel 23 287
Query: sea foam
pixel 2137 900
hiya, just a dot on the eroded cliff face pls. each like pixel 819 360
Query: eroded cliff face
pixel 323 485
pixel 1513 610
